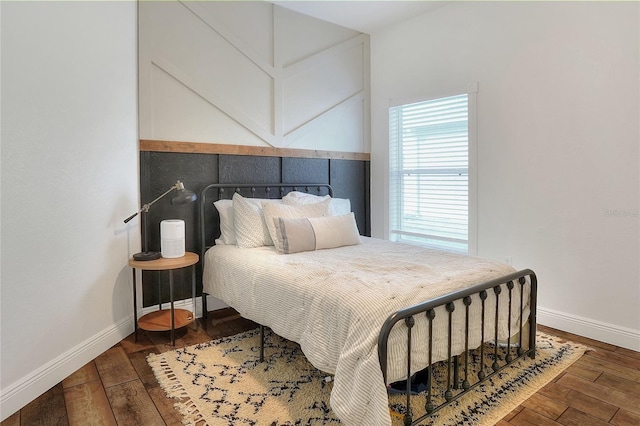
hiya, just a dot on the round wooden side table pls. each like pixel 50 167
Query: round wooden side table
pixel 165 319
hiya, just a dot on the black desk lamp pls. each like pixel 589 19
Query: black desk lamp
pixel 183 196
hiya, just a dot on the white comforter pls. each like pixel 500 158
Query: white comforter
pixel 334 302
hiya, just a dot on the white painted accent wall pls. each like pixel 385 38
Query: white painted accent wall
pixel 69 177
pixel 251 73
pixel 558 112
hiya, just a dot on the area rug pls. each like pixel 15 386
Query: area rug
pixel 222 383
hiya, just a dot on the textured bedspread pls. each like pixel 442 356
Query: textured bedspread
pixel 334 302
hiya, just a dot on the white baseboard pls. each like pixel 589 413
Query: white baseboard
pixel 587 327
pixel 178 304
pixel 214 303
pixel 16 395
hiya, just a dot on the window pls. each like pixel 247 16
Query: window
pixel 429 173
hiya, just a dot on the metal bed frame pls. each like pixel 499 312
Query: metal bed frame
pixel 504 354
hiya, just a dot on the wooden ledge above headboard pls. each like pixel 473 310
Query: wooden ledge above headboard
pixel 263 151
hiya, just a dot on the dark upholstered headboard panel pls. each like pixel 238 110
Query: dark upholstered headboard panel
pixel 349 178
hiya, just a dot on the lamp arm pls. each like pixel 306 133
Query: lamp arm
pixel 146 207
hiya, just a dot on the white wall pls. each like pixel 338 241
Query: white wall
pixel 69 177
pixel 251 73
pixel 558 143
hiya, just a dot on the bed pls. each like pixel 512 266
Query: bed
pixel 369 312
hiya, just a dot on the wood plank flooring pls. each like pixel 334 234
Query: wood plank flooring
pixel 119 388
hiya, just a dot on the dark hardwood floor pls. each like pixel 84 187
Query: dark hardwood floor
pixel 118 387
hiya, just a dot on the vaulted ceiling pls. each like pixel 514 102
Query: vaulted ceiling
pixel 364 16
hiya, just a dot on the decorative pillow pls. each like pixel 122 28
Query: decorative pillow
pixel 251 229
pixel 227 225
pixel 274 211
pixel 298 197
pixel 337 207
pixel 316 233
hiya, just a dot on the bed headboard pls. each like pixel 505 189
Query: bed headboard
pixel 209 218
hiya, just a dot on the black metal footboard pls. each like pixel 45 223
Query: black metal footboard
pixel 457 386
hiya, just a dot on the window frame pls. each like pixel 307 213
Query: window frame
pixel 471 91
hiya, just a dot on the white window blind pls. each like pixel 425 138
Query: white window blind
pixel 429 166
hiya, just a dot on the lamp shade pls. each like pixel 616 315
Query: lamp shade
pixel 184 196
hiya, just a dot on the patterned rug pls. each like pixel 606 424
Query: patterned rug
pixel 222 383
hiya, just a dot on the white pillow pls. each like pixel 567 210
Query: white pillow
pixel 316 233
pixel 227 225
pixel 298 197
pixel 251 229
pixel 273 211
pixel 337 207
